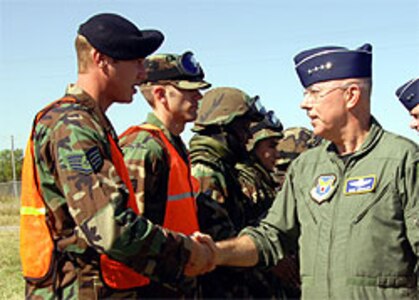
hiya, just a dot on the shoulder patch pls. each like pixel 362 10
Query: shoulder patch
pixel 360 184
pixel 95 158
pixel 79 163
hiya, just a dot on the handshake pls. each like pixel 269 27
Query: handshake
pixel 203 257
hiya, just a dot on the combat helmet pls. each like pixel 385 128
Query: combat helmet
pixel 269 127
pixel 182 71
pixel 296 140
pixel 220 106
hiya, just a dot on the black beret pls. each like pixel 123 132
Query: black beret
pixel 118 38
pixel 331 63
pixel 408 94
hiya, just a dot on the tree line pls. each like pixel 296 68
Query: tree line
pixel 6 167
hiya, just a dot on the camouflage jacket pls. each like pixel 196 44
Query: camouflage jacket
pixel 148 166
pixel 213 165
pixel 86 206
pixel 258 185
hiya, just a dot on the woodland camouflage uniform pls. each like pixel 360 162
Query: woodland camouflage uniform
pixel 147 157
pixel 295 141
pixel 213 164
pixel 86 203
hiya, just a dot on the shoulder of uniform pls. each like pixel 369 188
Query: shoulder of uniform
pixel 142 145
pixel 400 142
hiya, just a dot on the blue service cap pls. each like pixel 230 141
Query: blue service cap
pixel 118 38
pixel 331 63
pixel 408 93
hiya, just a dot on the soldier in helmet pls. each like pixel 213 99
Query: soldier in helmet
pixel 222 129
pixel 259 187
pixel 295 141
pixel 155 155
pixel 255 172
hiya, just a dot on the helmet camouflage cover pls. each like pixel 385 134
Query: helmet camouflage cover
pixel 296 140
pixel 220 106
pixel 183 71
pixel 263 130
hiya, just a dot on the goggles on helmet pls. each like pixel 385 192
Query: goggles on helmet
pixel 176 67
pixel 257 110
pixel 273 121
pixel 188 65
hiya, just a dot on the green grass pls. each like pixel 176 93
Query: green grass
pixel 9 211
pixel 11 283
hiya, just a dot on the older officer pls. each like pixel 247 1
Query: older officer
pixel 79 219
pixel 408 95
pixel 352 202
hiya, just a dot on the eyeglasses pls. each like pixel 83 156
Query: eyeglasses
pixel 188 65
pixel 314 95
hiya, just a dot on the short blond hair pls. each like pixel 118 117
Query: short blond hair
pixel 83 50
pixel 146 90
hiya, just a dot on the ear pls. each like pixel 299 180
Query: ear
pixel 98 58
pixel 159 94
pixel 352 95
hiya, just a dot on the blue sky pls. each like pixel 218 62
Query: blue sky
pixel 248 44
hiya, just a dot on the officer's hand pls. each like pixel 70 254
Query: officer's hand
pixel 202 259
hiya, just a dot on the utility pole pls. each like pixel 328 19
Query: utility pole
pixel 14 169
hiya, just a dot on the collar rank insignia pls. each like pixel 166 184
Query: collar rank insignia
pixel 360 184
pixel 323 188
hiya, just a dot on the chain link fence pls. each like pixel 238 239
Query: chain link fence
pixel 10 189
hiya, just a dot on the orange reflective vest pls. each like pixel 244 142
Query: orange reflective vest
pixel 181 210
pixel 180 214
pixel 36 243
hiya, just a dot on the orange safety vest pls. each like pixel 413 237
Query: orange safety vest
pixel 36 243
pixel 181 211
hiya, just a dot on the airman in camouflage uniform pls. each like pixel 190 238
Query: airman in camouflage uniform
pixel 222 129
pixel 255 172
pixel 259 187
pixel 173 94
pixel 295 141
pixel 85 199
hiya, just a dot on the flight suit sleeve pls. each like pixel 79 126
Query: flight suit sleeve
pixel 97 198
pixel 148 167
pixel 410 194
pixel 278 232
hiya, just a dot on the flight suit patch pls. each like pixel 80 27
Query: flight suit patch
pixel 360 185
pixel 323 188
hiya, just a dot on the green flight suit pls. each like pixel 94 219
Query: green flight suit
pixel 356 220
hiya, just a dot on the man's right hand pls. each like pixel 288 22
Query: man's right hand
pixel 202 259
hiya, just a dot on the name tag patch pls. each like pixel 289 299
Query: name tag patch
pixel 360 184
pixel 323 188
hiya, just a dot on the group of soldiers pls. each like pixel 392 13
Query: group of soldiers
pixel 143 215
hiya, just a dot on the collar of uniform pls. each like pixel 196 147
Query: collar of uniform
pixel 376 131
pixel 208 144
pixel 87 101
pixel 174 140
pixel 154 120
